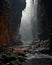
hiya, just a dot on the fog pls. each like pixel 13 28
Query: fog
pixel 28 16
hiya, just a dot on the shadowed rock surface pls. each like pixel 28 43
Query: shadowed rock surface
pixel 10 19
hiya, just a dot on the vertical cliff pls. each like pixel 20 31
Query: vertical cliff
pixel 4 20
pixel 10 18
pixel 16 7
pixel 44 20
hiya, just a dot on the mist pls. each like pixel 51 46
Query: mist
pixel 28 16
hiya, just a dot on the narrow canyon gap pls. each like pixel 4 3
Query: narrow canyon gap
pixel 28 26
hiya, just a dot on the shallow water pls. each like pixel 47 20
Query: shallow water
pixel 39 60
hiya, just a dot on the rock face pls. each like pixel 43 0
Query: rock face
pixel 15 18
pixel 4 15
pixel 10 18
pixel 44 20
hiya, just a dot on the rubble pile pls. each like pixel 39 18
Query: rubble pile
pixel 9 58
